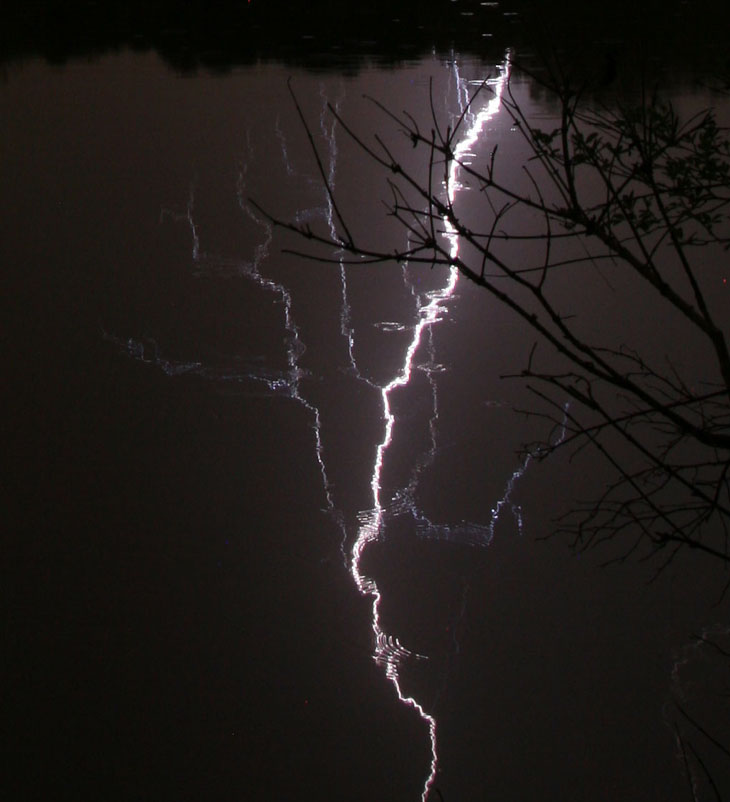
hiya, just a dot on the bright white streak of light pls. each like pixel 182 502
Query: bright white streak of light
pixel 388 651
pixel 385 652
pixel 466 144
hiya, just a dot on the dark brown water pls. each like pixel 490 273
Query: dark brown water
pixel 235 477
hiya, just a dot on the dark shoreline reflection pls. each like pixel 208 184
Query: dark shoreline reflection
pixel 322 35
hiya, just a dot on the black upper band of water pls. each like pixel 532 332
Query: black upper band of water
pixel 324 33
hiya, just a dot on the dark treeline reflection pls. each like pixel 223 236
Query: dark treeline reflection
pixel 324 34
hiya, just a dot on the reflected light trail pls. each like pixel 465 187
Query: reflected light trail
pixel 388 651
pixel 295 345
pixel 429 309
pixel 698 687
pixel 464 146
pixel 285 382
pixel 328 128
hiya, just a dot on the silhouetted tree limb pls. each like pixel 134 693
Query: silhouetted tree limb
pixel 639 190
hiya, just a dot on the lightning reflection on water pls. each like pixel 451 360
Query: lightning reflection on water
pixel 418 359
pixel 430 308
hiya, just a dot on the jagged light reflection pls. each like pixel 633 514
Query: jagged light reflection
pixel 430 308
pixel 389 653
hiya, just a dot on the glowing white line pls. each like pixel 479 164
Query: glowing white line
pixel 465 145
pixel 372 524
pixel 388 652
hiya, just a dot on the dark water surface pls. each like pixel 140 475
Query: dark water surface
pixel 234 476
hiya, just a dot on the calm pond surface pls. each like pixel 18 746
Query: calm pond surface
pixel 273 537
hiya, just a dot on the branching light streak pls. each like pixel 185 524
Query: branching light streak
pixel 388 652
pixel 429 308
pixel 295 347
